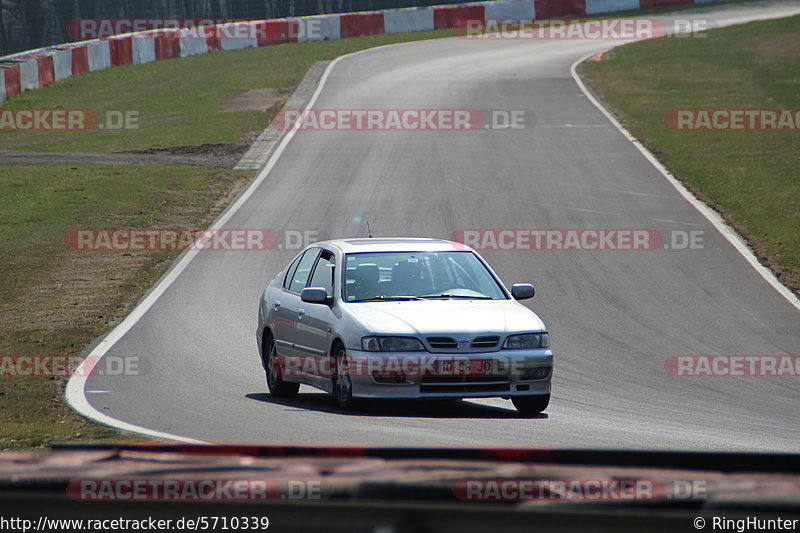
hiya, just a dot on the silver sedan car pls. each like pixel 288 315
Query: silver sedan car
pixel 402 318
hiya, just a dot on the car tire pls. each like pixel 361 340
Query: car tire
pixel 531 405
pixel 277 387
pixel 342 384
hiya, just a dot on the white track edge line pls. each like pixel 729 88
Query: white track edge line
pixel 75 390
pixel 712 216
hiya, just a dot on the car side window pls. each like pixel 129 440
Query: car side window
pixel 287 280
pixel 300 275
pixel 324 272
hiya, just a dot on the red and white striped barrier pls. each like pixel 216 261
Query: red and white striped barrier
pixel 359 24
pixel 39 68
pixel 607 6
pixel 408 20
pixel 320 28
pixel 519 10
pixel 120 50
pixel 29 73
pixel 661 3
pixel 454 16
pixel 238 35
pixel 99 55
pixel 144 50
pixel 62 63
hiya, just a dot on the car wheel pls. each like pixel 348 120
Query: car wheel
pixel 277 387
pixel 531 405
pixel 342 384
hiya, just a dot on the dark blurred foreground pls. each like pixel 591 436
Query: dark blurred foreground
pixel 386 490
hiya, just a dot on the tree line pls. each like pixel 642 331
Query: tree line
pixel 29 24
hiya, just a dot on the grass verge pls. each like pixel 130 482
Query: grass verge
pixel 54 301
pixel 179 102
pixel 750 177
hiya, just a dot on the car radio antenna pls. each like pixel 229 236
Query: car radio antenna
pixel 369 230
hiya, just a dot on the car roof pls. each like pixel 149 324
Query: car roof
pixel 395 244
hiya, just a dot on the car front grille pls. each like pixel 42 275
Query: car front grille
pixel 484 343
pixel 444 343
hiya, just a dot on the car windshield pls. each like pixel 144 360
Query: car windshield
pixel 386 276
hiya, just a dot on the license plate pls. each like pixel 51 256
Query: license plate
pixel 469 367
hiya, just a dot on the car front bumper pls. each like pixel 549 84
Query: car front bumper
pixel 505 373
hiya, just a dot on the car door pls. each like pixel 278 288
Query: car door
pixel 276 316
pixel 317 321
pixel 287 304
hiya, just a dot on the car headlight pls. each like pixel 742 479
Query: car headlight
pixel 527 341
pixel 391 344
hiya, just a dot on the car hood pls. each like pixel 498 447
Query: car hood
pixel 432 317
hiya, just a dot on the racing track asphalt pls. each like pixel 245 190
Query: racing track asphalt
pixel 613 316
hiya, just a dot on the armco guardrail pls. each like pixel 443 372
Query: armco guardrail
pixel 39 68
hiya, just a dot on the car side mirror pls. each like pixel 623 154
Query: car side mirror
pixel 315 295
pixel 522 291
